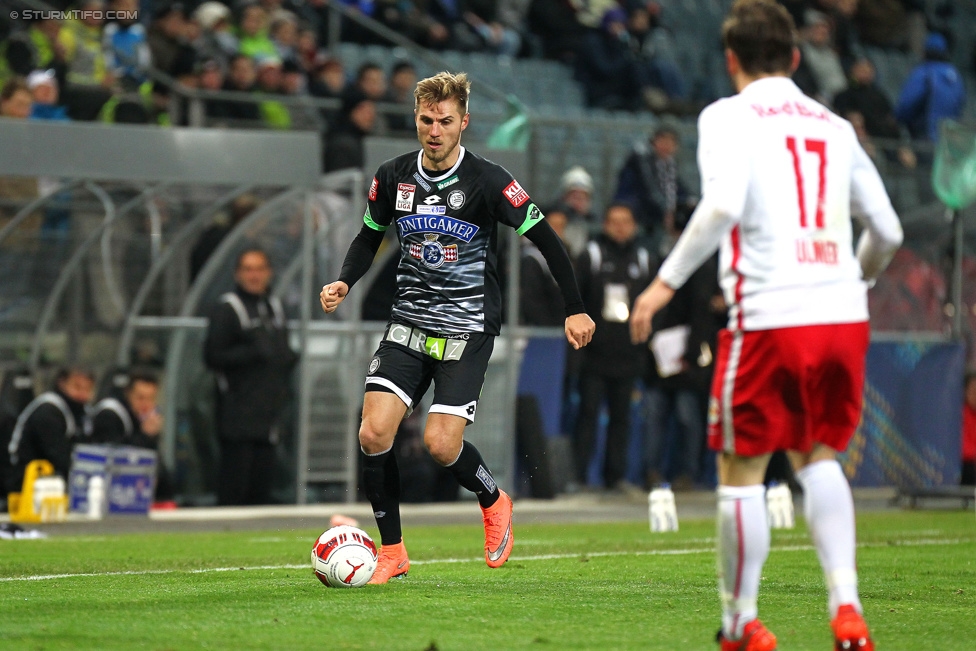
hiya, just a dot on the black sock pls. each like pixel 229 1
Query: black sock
pixel 470 471
pixel 381 481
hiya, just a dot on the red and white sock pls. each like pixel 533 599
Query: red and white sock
pixel 743 545
pixel 829 510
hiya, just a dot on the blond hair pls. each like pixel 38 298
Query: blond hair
pixel 441 87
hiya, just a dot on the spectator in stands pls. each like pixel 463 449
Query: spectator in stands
pixel 36 48
pixel 15 99
pixel 166 37
pixel 864 98
pixel 649 181
pixel 445 27
pixel 576 203
pixel 817 49
pixel 969 431
pixel 89 82
pixel 217 39
pixel 51 424
pixel 344 140
pixel 294 82
pixel 269 76
pixel 44 97
pixel 284 35
pixel 554 23
pixel 403 79
pixel 371 81
pixel 126 48
pixel 241 79
pixel 329 81
pixel 307 49
pixel 655 51
pixel 540 302
pixel 486 19
pixel 607 67
pixel 678 375
pixel 133 418
pixel 933 92
pixel 247 349
pixel 253 40
pixel 885 23
pixel 611 271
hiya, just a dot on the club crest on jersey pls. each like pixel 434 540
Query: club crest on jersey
pixel 432 253
pixel 455 199
pixel 436 224
pixel 405 195
pixel 515 194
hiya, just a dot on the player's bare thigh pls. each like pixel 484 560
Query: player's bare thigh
pixel 738 470
pixel 443 436
pixel 382 413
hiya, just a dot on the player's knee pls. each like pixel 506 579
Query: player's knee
pixel 443 449
pixel 372 441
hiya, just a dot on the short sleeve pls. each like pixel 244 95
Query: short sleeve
pixel 723 159
pixel 513 206
pixel 379 200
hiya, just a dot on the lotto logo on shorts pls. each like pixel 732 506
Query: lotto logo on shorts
pixel 372 189
pixel 405 194
pixel 515 194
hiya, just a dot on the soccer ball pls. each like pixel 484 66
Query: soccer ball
pixel 344 557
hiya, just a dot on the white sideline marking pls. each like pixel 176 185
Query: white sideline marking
pixel 922 542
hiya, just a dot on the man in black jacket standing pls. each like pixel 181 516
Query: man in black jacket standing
pixel 247 348
pixel 612 271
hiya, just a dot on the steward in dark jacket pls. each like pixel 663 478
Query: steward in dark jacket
pixel 247 348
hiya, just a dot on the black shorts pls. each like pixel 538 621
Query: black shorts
pixel 410 358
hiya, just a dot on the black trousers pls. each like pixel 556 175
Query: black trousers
pixel 246 472
pixel 593 390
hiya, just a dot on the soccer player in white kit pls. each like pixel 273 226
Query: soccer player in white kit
pixel 781 178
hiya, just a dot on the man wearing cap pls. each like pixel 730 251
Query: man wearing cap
pixel 933 92
pixel 576 202
pixel 44 94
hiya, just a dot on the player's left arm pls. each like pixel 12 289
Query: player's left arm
pixel 518 211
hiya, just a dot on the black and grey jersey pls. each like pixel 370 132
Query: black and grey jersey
pixel 447 279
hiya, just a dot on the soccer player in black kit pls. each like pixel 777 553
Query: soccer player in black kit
pixel 446 205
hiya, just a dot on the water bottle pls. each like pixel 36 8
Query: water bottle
pixel 661 509
pixel 96 497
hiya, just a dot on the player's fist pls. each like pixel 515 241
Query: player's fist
pixel 579 329
pixel 332 294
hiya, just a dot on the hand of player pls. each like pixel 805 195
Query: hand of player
pixel 579 329
pixel 332 294
pixel 650 301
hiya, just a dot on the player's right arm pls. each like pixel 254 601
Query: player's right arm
pixel 363 248
pixel 871 206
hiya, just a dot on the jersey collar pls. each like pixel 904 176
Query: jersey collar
pixel 420 166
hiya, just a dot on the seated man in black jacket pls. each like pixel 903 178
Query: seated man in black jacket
pixel 133 419
pixel 51 424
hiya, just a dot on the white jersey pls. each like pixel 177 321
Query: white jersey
pixel 781 178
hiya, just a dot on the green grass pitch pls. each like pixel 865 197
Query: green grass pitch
pixel 574 586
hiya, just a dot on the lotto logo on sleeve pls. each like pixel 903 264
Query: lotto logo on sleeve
pixel 515 194
pixel 372 189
